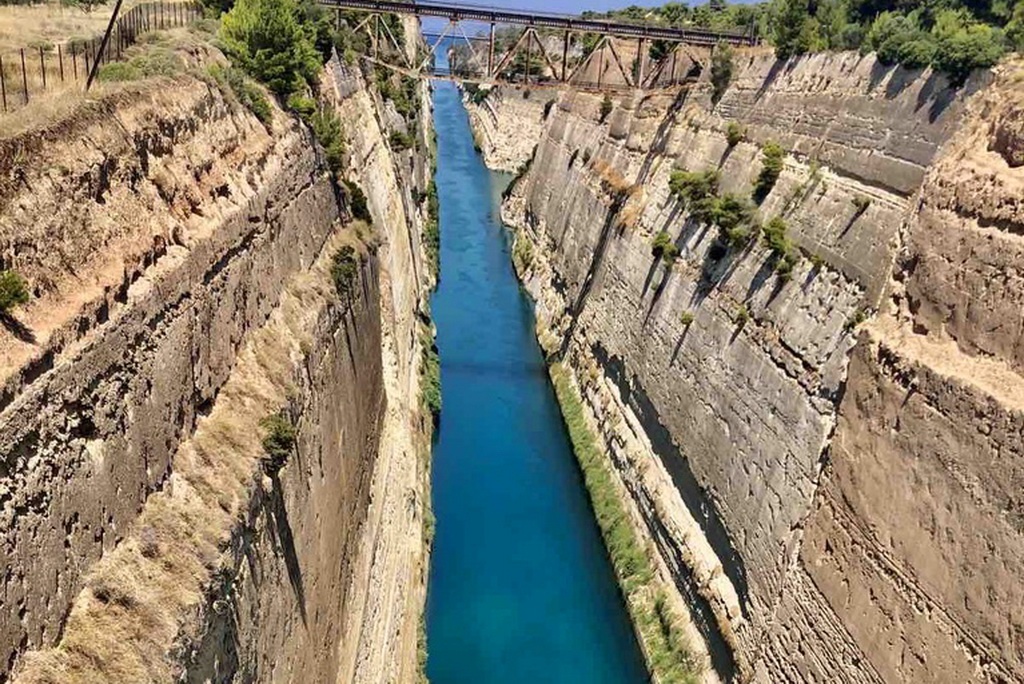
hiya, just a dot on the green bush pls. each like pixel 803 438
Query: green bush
pixel 326 127
pixel 784 252
pixel 304 106
pixel 432 230
pixel 734 134
pixel 861 203
pixel 267 39
pixel 250 95
pixel 736 220
pixel 113 72
pixel 692 187
pixel 771 167
pixel 721 71
pixel 13 290
pixel 357 204
pixel 522 253
pixel 965 45
pixel 686 318
pixel 151 62
pixel 400 142
pixel 951 40
pixel 663 247
pixel 430 376
pixel 278 440
pixel 344 269
pixel 742 315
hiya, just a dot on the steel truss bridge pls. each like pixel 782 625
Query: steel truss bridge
pixel 531 58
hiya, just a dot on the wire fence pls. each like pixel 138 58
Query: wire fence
pixel 29 72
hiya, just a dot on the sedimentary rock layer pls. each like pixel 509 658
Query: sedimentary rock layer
pixel 180 252
pixel 737 375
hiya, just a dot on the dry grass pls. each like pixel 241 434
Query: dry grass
pixel 49 38
pixel 190 47
pixel 612 180
pixel 51 23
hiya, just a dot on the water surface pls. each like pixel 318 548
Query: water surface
pixel 521 590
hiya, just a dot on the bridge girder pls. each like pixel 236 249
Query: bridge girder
pixel 642 75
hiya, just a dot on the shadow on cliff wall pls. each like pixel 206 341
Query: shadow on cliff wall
pixel 284 541
pixel 661 135
pixel 592 271
pixel 698 502
pixel 17 328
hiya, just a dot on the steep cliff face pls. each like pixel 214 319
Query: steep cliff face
pixel 508 123
pixel 780 496
pixel 181 255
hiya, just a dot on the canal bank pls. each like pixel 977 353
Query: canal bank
pixel 521 588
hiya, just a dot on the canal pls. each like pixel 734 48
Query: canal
pixel 521 589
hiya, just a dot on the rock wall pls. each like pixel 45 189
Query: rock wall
pixel 179 253
pixel 735 385
pixel 507 123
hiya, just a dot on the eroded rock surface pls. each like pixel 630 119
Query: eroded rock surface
pixel 180 253
pixel 829 518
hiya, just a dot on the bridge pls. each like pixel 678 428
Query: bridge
pixel 526 50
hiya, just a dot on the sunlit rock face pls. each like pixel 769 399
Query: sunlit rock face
pixel 838 444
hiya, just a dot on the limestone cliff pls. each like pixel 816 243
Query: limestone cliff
pixel 180 253
pixel 834 502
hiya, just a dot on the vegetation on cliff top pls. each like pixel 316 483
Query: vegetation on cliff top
pixel 953 36
pixel 666 647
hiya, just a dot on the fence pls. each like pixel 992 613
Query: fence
pixel 29 72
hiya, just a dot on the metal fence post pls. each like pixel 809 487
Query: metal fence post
pixel 74 62
pixel 42 66
pixel 24 75
pixel 60 61
pixel 105 43
pixel 3 82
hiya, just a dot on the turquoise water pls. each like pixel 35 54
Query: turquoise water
pixel 521 590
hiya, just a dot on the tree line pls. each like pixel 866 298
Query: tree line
pixel 953 36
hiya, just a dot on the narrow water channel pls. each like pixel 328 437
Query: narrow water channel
pixel 521 590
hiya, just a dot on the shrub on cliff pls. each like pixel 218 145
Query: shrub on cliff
pixel 344 269
pixel 736 220
pixel 327 129
pixel 248 94
pixel 356 200
pixel 663 247
pixel 734 134
pixel 785 254
pixel 268 40
pixel 964 45
pixel 430 377
pixel 432 229
pixel 13 290
pixel 691 187
pixel 721 71
pixel 278 441
pixel 400 142
pixel 771 167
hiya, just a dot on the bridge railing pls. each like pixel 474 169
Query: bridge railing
pixel 540 19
